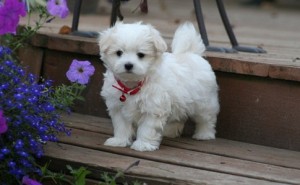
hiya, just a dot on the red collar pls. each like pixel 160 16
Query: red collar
pixel 127 90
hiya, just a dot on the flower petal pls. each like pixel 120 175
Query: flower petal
pixel 27 181
pixel 80 71
pixel 10 13
pixel 3 124
pixel 61 9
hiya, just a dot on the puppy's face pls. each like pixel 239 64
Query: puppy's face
pixel 131 51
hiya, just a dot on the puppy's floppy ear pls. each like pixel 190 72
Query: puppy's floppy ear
pixel 104 41
pixel 105 38
pixel 159 43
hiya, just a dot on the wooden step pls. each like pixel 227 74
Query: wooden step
pixel 178 161
pixel 259 93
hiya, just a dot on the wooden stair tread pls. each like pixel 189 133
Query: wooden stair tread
pixel 163 172
pixel 278 63
pixel 222 147
pixel 177 160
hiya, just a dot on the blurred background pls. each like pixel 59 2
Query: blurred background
pixel 251 20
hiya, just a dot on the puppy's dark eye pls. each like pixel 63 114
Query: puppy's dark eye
pixel 141 55
pixel 119 53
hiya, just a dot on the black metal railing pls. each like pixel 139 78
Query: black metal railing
pixel 116 13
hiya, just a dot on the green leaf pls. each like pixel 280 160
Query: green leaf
pixel 79 175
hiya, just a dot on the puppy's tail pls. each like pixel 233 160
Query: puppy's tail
pixel 187 40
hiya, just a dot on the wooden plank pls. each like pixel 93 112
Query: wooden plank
pixel 272 65
pixel 252 27
pixel 89 46
pixel 222 147
pixel 188 158
pixel 266 58
pixel 67 43
pixel 241 63
pixel 287 73
pixel 31 58
pixel 246 39
pixel 234 65
pixel 259 111
pixel 59 165
pixel 174 174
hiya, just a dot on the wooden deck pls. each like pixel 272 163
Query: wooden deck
pixel 268 102
pixel 276 29
pixel 178 161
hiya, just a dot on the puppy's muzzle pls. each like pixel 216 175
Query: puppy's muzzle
pixel 128 66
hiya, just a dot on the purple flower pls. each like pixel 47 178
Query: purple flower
pixel 27 181
pixel 58 8
pixel 32 117
pixel 80 71
pixel 10 13
pixel 3 125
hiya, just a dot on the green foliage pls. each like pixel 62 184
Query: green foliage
pixel 65 96
pixel 56 178
pixel 112 180
pixel 79 175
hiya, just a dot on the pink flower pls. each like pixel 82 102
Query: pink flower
pixel 27 181
pixel 3 125
pixel 10 13
pixel 58 8
pixel 80 71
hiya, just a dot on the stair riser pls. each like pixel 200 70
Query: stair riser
pixel 253 109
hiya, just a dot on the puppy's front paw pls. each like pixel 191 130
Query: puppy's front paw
pixel 117 142
pixel 143 146
pixel 204 136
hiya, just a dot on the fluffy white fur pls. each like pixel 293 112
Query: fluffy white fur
pixel 177 85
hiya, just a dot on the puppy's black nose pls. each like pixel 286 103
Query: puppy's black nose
pixel 128 66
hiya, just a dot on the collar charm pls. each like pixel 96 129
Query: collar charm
pixel 127 90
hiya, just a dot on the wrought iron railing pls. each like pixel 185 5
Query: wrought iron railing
pixel 116 13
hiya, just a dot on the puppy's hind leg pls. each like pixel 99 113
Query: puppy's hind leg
pixel 205 126
pixel 173 129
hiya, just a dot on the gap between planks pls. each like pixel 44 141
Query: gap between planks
pixel 160 171
pixel 190 159
pixel 222 147
pixel 90 137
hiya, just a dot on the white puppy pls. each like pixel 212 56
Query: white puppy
pixel 149 92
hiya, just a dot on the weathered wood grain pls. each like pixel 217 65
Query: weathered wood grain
pixel 239 63
pixel 172 173
pixel 221 147
pixel 32 59
pixel 189 158
pixel 259 111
